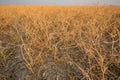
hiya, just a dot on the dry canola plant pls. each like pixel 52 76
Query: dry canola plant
pixel 59 43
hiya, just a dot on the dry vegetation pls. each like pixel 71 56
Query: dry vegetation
pixel 59 43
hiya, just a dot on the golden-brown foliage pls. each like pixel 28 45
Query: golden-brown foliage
pixel 59 43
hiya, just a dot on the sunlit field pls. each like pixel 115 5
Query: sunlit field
pixel 59 43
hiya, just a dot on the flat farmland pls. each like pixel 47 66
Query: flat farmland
pixel 59 42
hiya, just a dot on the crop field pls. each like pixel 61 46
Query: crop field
pixel 59 42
